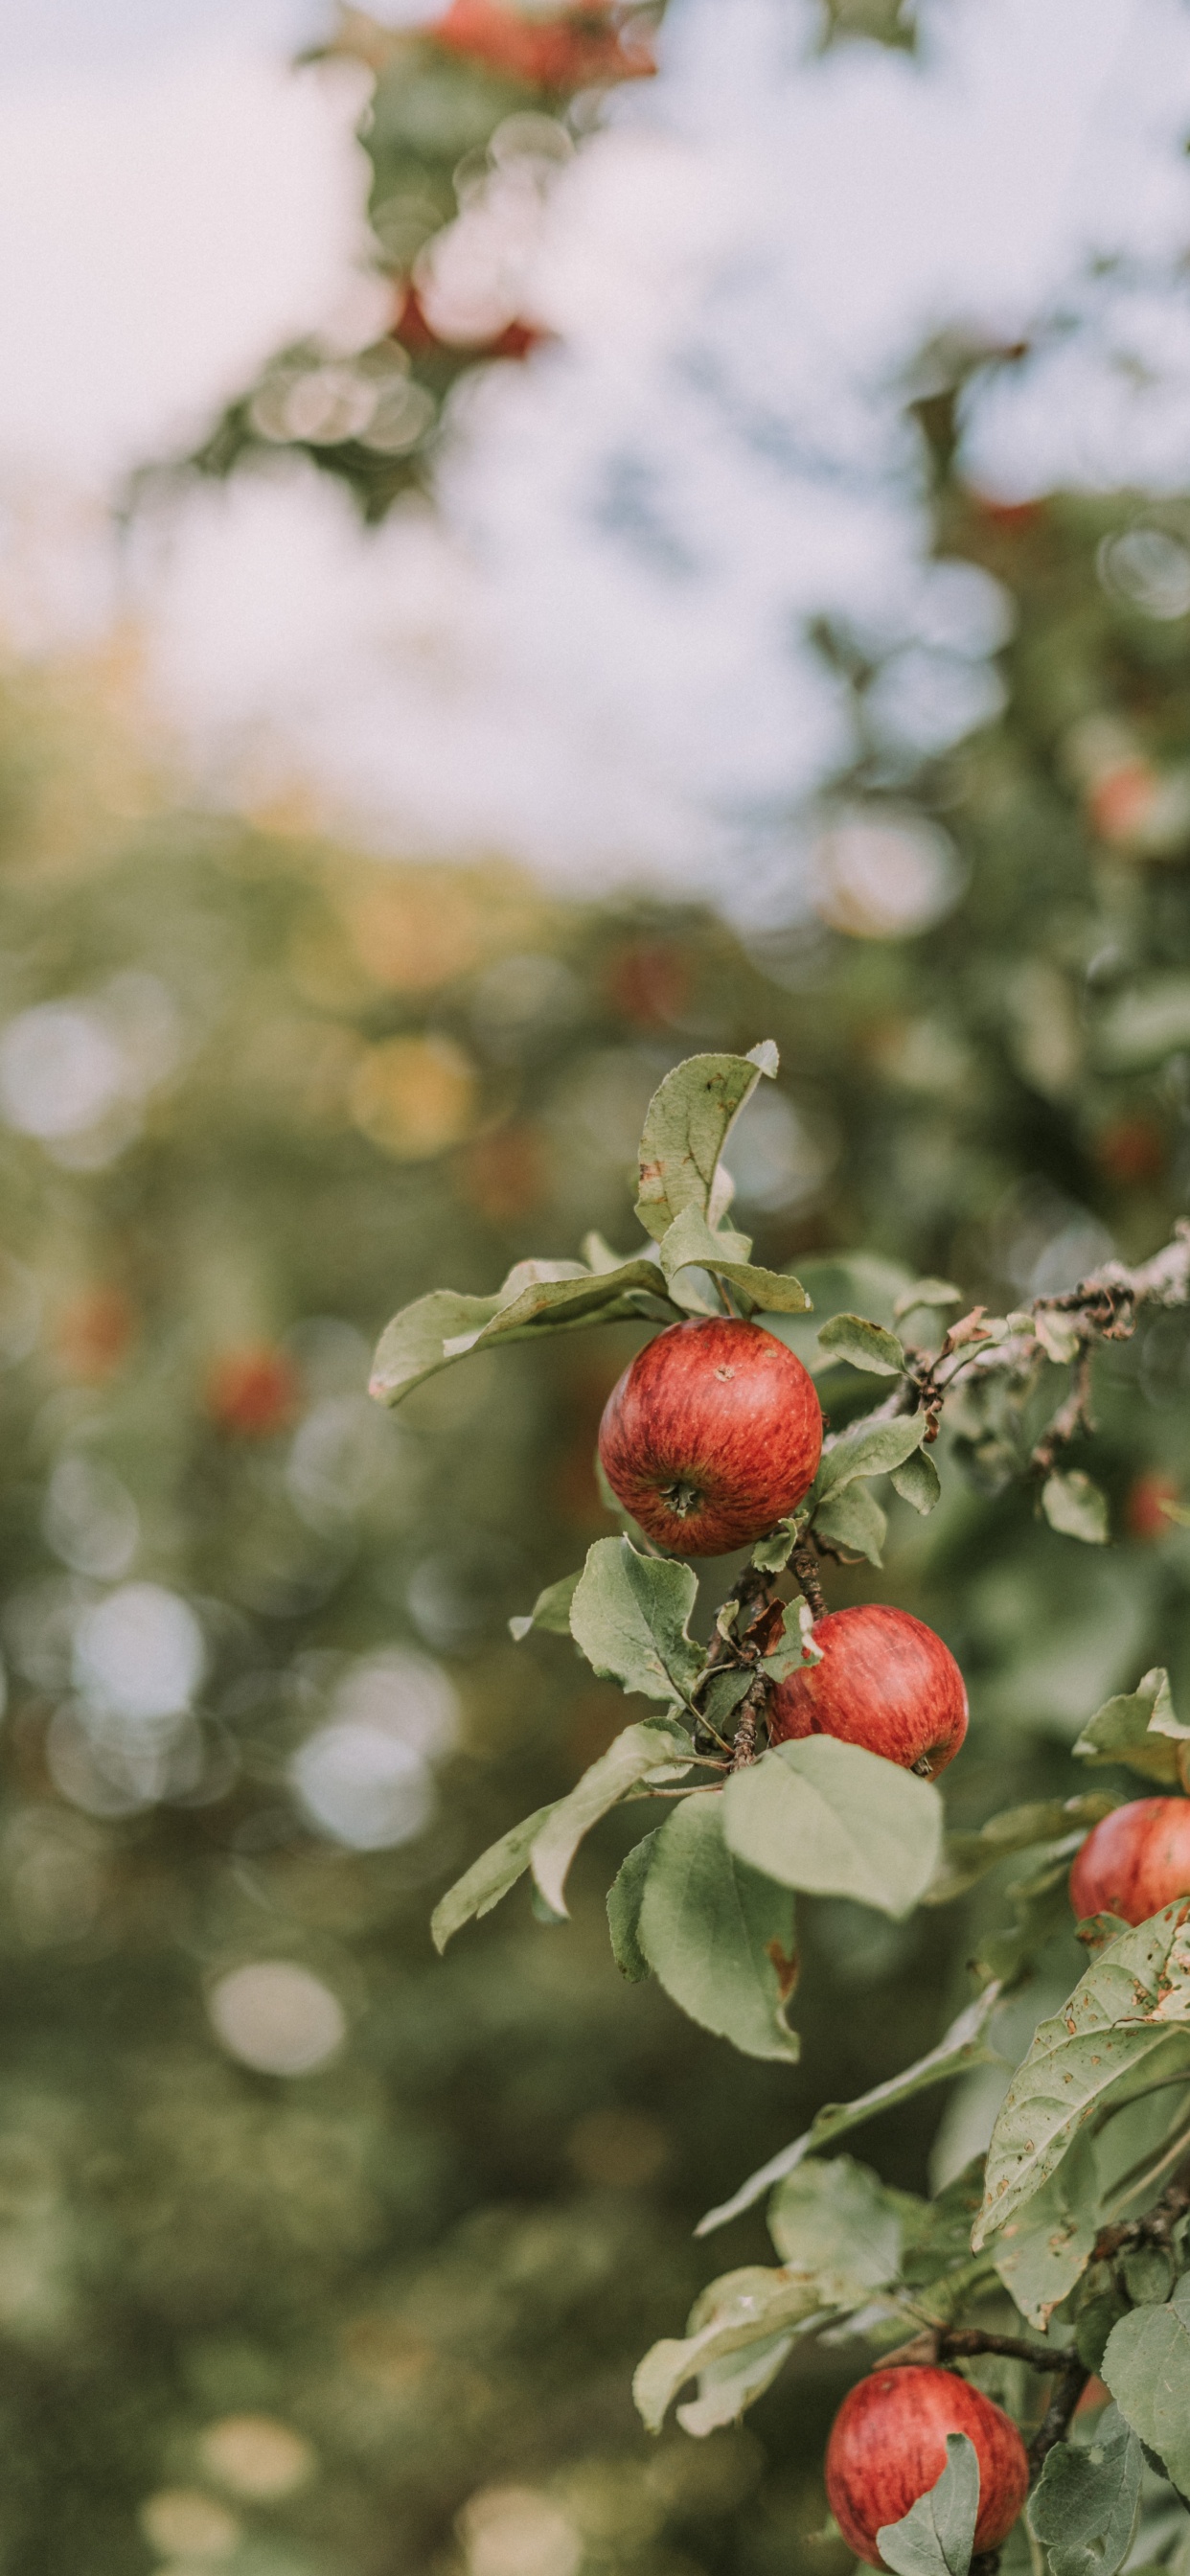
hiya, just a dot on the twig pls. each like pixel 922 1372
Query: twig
pixel 964 2343
pixel 1072 1416
pixel 803 1565
pixel 1056 2421
pixel 960 2343
pixel 1157 2225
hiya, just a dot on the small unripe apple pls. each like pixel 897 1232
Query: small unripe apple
pixel 885 1681
pixel 713 1433
pixel 888 2447
pixel 1135 1861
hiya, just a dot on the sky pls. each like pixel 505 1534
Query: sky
pixel 591 654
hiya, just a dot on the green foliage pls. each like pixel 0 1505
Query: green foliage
pixel 1074 1504
pixel 488 1879
pixel 917 1481
pixel 1125 2016
pixel 718 1935
pixel 629 1615
pixel 624 1898
pixel 997 1090
pixel 966 1858
pixel 867 1346
pixel 840 2222
pixel 635 1756
pixel 1086 2505
pixel 743 2310
pixel 852 1519
pixel 1146 2365
pixel 691 1243
pixel 1140 1729
pixel 537 1297
pixel 1044 2250
pixel 936 2536
pixel 963 2046
pixel 689 1120
pixel 550 1611
pixel 870 1450
pixel 836 1821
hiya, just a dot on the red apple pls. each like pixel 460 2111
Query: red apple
pixel 252 1392
pixel 1135 1861
pixel 713 1434
pixel 885 1681
pixel 888 2447
pixel 568 49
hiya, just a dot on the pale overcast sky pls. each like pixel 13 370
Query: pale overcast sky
pixel 591 657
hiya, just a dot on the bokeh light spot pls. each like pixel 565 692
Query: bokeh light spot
pixel 257 2457
pixel 511 2531
pixel 414 1096
pixel 182 2522
pixel 880 878
pixel 139 1654
pixel 277 2017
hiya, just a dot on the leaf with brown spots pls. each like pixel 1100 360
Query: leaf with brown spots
pixel 687 1125
pixel 1131 2011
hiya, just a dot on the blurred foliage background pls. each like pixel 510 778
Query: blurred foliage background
pixel 319 2257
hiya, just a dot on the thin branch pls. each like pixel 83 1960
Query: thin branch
pixel 1157 2225
pixel 1059 2414
pixel 961 2343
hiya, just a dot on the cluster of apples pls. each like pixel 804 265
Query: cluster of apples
pixel 711 1437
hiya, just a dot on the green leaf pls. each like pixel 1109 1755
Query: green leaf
pixel 537 1297
pixel 795 1647
pixel 741 2308
pixel 624 1898
pixel 937 2535
pixel 937 2255
pixel 1147 2368
pixel 1097 2316
pixel 691 1243
pixel 720 1939
pixel 1132 2004
pixel 1041 1905
pixel 639 1750
pixel 551 1610
pixel 835 1820
pixel 1085 2506
pixel 727 2387
pixel 488 1879
pixel 917 1481
pixel 723 1693
pixel 772 1554
pixel 867 1346
pixel 868 1449
pixel 687 1124
pixel 962 2046
pixel 1046 2248
pixel 926 1292
pixel 628 1616
pixel 1073 1504
pixel 1058 1336
pixel 839 2222
pixel 967 1857
pixel 1147 1022
pixel 853 1518
pixel 1138 1728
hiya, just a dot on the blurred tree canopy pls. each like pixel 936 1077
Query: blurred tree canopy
pixel 326 2259
pixel 319 2257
